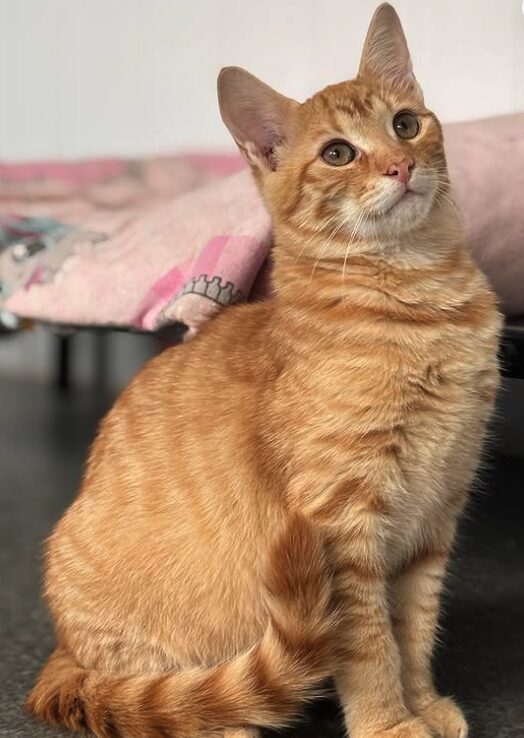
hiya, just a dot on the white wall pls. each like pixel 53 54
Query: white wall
pixel 84 77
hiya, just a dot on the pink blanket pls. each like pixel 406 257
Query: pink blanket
pixel 143 243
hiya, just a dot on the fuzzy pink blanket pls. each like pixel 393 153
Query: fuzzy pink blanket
pixel 143 243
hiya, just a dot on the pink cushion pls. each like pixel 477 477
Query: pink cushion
pixel 486 164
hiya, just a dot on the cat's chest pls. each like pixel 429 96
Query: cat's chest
pixel 374 386
pixel 432 403
pixel 407 416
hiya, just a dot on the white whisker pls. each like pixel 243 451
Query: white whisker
pixel 348 246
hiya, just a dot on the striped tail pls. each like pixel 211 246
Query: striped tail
pixel 264 686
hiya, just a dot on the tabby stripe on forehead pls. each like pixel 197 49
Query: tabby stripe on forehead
pixel 356 107
pixel 334 123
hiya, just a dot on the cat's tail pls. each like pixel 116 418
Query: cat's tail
pixel 264 686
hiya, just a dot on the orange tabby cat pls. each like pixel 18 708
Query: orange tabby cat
pixel 275 502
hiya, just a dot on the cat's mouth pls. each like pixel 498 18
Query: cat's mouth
pixel 392 207
pixel 404 198
pixel 400 208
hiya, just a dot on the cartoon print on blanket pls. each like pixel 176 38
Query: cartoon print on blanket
pixel 33 250
pixel 224 294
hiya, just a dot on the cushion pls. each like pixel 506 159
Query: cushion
pixel 486 166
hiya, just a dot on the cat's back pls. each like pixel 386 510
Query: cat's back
pixel 186 402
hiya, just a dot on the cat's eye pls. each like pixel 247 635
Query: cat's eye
pixel 338 153
pixel 406 124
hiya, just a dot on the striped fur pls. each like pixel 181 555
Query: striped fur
pixel 265 685
pixel 302 455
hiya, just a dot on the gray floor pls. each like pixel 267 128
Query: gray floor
pixel 43 438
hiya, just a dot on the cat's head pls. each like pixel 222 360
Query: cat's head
pixel 363 157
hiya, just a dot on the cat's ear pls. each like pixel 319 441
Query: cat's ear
pixel 258 118
pixel 386 55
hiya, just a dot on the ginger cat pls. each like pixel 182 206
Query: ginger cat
pixel 274 503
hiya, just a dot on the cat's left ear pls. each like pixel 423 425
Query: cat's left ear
pixel 258 117
pixel 386 55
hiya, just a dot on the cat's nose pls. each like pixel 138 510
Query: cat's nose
pixel 401 169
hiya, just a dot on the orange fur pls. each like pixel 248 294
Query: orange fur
pixel 275 502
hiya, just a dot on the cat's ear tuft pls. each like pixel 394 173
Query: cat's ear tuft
pixel 258 118
pixel 386 55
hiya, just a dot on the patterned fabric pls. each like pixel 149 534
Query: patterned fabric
pixel 129 243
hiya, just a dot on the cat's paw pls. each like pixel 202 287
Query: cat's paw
pixel 445 718
pixel 411 728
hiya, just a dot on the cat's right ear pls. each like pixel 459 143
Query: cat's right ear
pixel 258 118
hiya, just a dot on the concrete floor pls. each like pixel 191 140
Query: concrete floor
pixel 43 439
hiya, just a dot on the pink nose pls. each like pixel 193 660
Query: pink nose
pixel 401 170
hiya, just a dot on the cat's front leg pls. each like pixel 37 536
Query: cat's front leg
pixel 368 677
pixel 415 596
